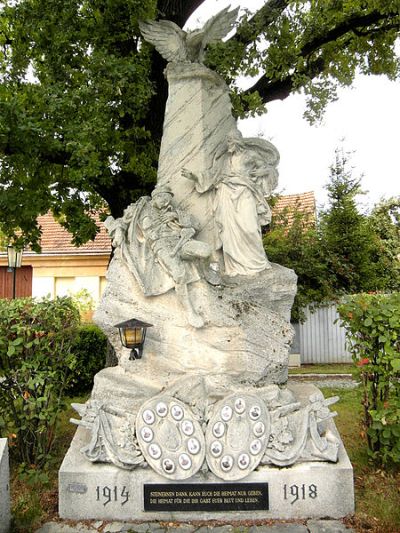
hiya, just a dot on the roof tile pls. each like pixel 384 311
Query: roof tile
pixel 56 240
pixel 303 202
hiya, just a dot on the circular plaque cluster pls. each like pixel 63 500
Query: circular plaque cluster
pixel 237 436
pixel 170 438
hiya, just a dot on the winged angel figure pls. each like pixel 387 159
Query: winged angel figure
pixel 180 46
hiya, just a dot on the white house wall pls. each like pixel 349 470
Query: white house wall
pixel 42 286
pixel 65 275
pixel 66 285
pixel 90 284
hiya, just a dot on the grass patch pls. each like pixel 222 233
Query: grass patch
pixel 337 368
pixel 377 491
pixel 36 502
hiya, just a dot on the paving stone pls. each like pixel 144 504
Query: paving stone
pixel 282 528
pixel 151 527
pixel 327 526
pixel 336 383
pixel 202 529
pixel 183 528
pixel 226 529
pixel 313 526
pixel 139 528
pixel 115 527
pixel 57 527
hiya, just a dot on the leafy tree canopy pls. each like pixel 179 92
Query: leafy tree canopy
pixel 385 223
pixel 349 242
pixel 293 240
pixel 342 251
pixel 82 97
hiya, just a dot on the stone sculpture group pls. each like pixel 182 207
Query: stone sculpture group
pixel 209 394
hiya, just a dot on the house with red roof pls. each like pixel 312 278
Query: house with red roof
pixel 61 268
pixel 288 204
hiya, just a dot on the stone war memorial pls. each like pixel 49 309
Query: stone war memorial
pixel 5 515
pixel 200 422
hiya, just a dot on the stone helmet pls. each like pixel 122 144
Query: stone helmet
pixel 163 188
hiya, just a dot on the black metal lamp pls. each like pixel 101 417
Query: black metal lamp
pixel 133 334
pixel 14 258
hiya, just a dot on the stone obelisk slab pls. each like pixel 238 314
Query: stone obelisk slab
pixel 4 488
pixel 198 119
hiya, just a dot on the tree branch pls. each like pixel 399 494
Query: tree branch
pixel 263 18
pixel 270 90
pixel 376 31
pixel 351 24
pixel 273 89
pixel 178 10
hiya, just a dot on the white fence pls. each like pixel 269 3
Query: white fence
pixel 320 340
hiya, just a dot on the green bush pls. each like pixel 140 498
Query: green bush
pixel 372 323
pixel 36 363
pixel 90 348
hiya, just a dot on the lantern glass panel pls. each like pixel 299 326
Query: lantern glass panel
pixel 11 256
pixel 14 257
pixel 18 260
pixel 133 336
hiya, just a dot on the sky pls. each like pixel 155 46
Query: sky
pixel 365 121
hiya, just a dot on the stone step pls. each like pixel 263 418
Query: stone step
pixel 311 526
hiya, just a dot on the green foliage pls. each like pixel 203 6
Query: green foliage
pixel 385 222
pixel 293 240
pixel 77 128
pixel 26 510
pixel 36 364
pixel 372 325
pixel 83 300
pixel 82 98
pixel 352 248
pixel 89 348
pixel 342 251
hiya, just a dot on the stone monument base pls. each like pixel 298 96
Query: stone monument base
pixel 5 516
pixel 103 491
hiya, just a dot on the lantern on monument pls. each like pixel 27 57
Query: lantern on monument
pixel 133 334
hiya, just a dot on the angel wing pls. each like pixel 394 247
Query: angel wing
pixel 168 39
pixel 214 30
pixel 220 25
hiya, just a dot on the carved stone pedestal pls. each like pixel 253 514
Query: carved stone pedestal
pixel 5 516
pixel 304 490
